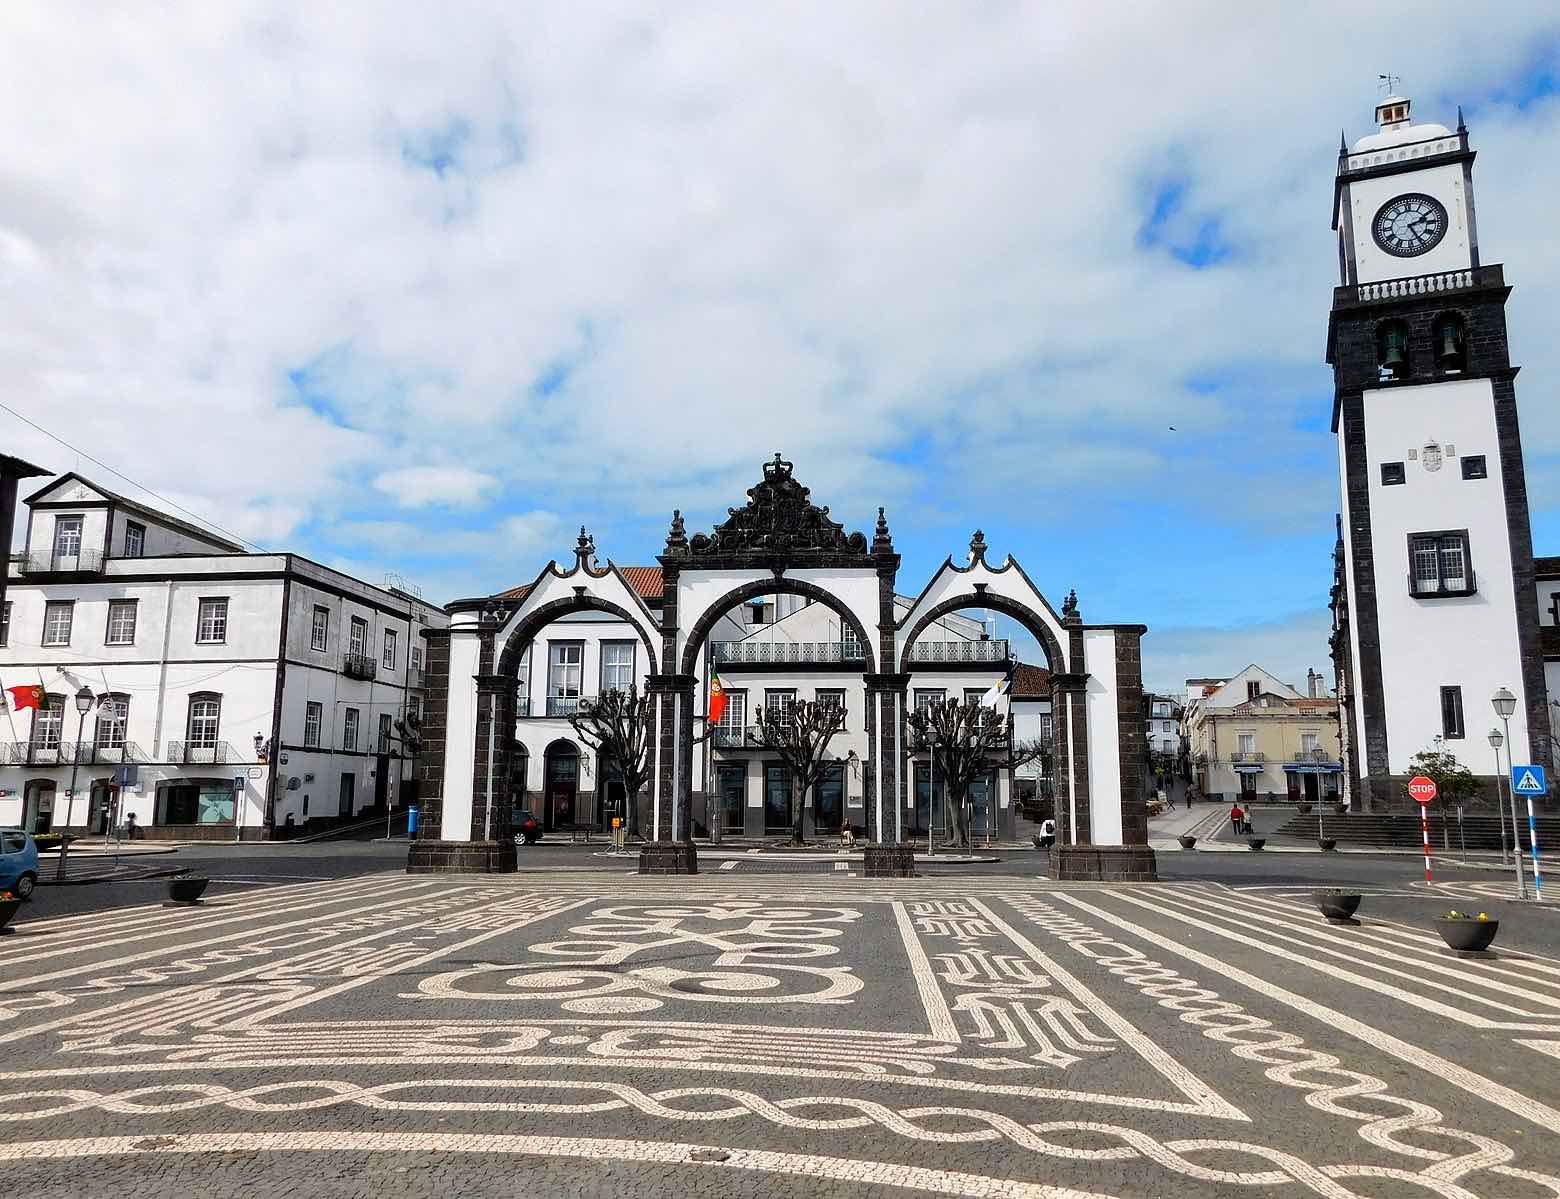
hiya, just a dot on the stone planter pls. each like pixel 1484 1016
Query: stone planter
pixel 1328 844
pixel 1304 809
pixel 1337 906
pixel 1342 809
pixel 8 908
pixel 187 888
pixel 1187 842
pixel 888 861
pixel 1255 842
pixel 1466 935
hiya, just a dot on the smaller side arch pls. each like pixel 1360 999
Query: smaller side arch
pixel 771 586
pixel 524 633
pixel 1056 660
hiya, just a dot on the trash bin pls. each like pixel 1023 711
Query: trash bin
pixel 411 821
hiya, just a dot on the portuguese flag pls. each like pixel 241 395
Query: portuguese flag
pixel 717 698
pixel 31 696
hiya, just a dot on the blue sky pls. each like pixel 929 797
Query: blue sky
pixel 423 293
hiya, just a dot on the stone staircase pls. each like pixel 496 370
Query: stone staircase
pixel 1400 830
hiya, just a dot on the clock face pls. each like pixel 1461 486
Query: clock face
pixel 1410 225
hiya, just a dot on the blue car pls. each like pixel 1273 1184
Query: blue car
pixel 18 862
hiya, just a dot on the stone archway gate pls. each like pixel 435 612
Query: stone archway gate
pixel 780 542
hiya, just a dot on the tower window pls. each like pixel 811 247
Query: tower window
pixel 1392 473
pixel 1448 336
pixel 1439 564
pixel 1451 713
pixel 1392 350
pixel 1473 467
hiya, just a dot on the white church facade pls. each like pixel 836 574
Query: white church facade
pixel 781 602
pixel 1437 602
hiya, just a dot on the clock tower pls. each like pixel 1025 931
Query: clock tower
pixel 1434 605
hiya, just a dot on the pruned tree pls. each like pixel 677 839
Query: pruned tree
pixel 1454 782
pixel 800 732
pixel 616 724
pixel 962 739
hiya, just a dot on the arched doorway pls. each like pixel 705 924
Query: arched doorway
pixel 560 786
pixel 38 806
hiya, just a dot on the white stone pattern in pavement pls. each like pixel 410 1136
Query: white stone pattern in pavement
pixel 748 1007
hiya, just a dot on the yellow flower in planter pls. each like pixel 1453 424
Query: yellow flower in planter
pixel 1484 916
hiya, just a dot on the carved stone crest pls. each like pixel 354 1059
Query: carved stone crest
pixel 779 518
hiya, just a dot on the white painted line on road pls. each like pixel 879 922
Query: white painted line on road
pixel 842 865
pixel 728 865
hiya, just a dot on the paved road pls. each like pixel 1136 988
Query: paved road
pixel 590 1032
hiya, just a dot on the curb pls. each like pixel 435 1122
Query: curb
pixel 136 876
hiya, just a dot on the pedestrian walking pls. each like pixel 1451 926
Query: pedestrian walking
pixel 1237 819
pixel 1167 798
pixel 1047 833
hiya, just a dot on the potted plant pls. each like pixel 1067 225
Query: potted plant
pixel 1328 844
pixel 187 888
pixel 1255 842
pixel 1337 904
pixel 9 903
pixel 1465 933
pixel 1187 841
pixel 1304 809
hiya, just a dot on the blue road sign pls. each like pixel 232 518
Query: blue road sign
pixel 1528 780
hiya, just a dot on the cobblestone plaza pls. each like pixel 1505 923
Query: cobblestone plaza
pixel 579 1034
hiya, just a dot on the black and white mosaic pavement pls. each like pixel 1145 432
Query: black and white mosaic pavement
pixel 610 1035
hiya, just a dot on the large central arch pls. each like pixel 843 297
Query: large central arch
pixel 771 586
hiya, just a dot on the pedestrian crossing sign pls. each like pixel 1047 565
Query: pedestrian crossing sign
pixel 1528 780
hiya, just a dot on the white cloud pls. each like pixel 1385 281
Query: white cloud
pixel 555 259
pixel 419 486
pixel 1288 648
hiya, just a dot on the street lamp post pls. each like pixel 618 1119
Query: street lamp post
pixel 84 701
pixel 1496 741
pixel 1505 704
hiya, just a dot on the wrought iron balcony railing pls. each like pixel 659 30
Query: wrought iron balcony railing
pixel 564 705
pixel 765 653
pixel 995 650
pixel 89 562
pixel 359 666
pixel 1313 756
pixel 1248 759
pixel 191 753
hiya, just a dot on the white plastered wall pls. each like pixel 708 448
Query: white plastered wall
pixel 1099 652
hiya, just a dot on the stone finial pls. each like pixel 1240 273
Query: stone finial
pixel 584 549
pixel 882 542
pixel 978 548
pixel 677 538
pixel 1070 606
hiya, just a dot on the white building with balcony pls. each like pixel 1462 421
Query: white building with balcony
pixel 232 694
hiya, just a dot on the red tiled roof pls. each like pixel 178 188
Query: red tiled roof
pixel 1031 680
pixel 648 581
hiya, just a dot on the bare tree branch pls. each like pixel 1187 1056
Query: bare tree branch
pixel 800 732
pixel 963 739
pixel 616 724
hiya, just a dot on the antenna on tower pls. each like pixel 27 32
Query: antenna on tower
pixel 1389 84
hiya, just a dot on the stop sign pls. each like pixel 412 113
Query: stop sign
pixel 1421 788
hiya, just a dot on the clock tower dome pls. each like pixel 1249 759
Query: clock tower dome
pixel 1434 603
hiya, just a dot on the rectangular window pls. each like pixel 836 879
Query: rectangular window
pixel 1253 688
pixel 5 623
pixel 211 622
pixel 1309 742
pixel 384 733
pixel 47 724
pixel 1451 713
pixel 357 639
pixel 113 715
pixel 926 696
pixel 205 716
pixel 761 612
pixel 1392 473
pixel 67 537
pixel 57 622
pixel 349 728
pixel 1439 564
pixel 1047 731
pixel 617 665
pixel 1473 467
pixel 734 718
pixel 135 539
pixel 414 706
pixel 834 696
pixel 416 652
pixel 313 716
pixel 565 676
pixel 121 622
pixel 779 697
pixel 319 630
pixel 387 656
pixel 1246 743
